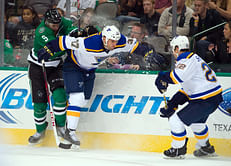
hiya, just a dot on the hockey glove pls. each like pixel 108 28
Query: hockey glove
pixel 160 84
pixel 178 99
pixel 166 113
pixel 44 54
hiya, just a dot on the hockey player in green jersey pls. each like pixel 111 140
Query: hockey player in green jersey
pixel 53 26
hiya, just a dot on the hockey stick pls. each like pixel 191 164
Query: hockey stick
pixel 165 101
pixel 58 143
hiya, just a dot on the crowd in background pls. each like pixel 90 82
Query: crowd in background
pixel 146 20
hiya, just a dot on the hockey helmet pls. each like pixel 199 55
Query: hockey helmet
pixel 181 42
pixel 111 32
pixel 52 16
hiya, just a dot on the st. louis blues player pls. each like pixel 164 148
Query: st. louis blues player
pixel 200 89
pixel 84 55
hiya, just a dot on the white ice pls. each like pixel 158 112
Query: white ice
pixel 43 156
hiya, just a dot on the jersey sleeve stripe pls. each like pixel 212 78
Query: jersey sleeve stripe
pixel 74 58
pixel 120 46
pixel 189 56
pixel 64 42
pixel 91 50
pixel 60 43
pixel 134 48
pixel 175 77
pixel 182 91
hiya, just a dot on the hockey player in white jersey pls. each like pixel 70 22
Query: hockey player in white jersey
pixel 200 89
pixel 83 58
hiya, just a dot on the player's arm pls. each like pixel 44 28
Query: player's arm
pixel 59 44
pixel 183 71
pixel 178 99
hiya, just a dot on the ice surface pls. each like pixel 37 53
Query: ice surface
pixel 43 156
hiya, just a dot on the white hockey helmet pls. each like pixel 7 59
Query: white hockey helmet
pixel 111 32
pixel 181 42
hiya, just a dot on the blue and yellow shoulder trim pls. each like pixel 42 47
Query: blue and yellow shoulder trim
pixel 122 42
pixel 94 43
pixel 185 55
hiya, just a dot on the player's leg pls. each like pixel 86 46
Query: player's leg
pixel 203 146
pixel 59 96
pixel 40 102
pixel 195 115
pixel 179 143
pixel 76 83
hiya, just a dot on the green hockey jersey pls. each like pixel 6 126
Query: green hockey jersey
pixel 43 34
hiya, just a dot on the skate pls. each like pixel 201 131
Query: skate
pixel 70 136
pixel 176 153
pixel 37 137
pixel 205 151
pixel 60 131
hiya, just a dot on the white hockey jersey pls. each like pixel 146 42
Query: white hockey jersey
pixel 198 80
pixel 86 52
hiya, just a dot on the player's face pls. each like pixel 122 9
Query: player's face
pixel 175 52
pixel 54 27
pixel 111 44
pixel 227 31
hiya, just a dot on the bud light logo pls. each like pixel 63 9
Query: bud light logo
pixel 225 105
pixel 16 99
pixel 11 98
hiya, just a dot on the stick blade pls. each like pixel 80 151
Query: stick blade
pixel 65 146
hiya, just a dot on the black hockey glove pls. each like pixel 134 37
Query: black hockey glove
pixel 160 84
pixel 167 113
pixel 44 54
pixel 178 99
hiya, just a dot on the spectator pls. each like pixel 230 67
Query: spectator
pixel 7 28
pixel 223 48
pixel 184 15
pixel 139 61
pixel 150 18
pixel 86 20
pixel 103 1
pixel 85 25
pixel 221 6
pixel 41 6
pixel 130 10
pixel 189 3
pixel 161 5
pixel 61 12
pixel 9 58
pixel 139 32
pixel 202 19
pixel 23 33
pixel 76 5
